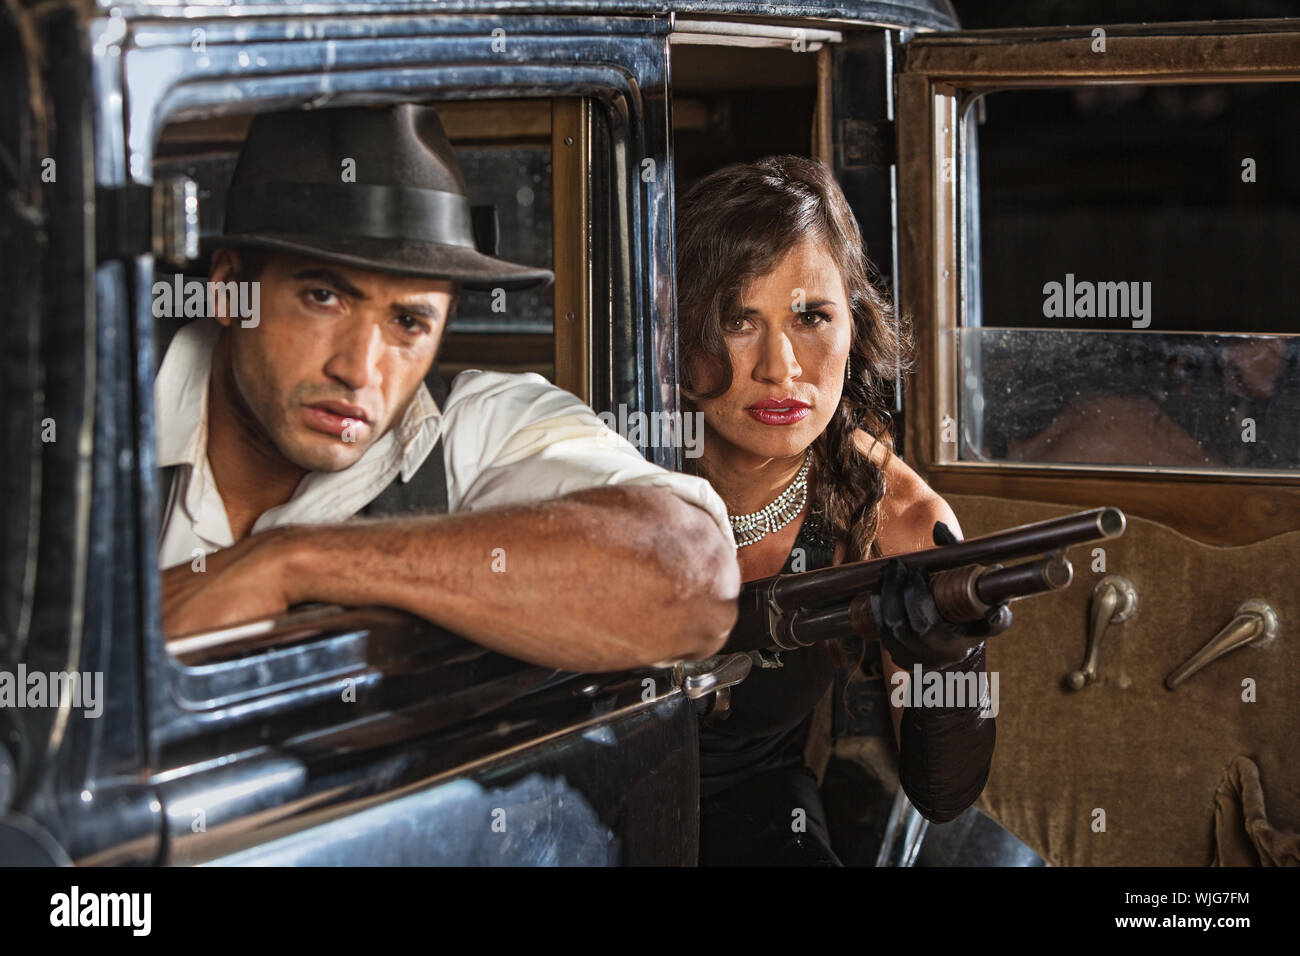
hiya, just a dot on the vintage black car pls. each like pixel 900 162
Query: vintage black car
pixel 1109 156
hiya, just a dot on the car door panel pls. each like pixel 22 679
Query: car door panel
pixel 1124 752
pixel 1122 770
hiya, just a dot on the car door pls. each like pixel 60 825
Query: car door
pixel 1096 235
pixel 376 739
pixel 323 736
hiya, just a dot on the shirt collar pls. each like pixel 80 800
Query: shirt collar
pixel 181 394
pixel 418 431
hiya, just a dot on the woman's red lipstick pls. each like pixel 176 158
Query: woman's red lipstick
pixel 779 411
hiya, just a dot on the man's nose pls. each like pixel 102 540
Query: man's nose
pixel 355 358
pixel 777 362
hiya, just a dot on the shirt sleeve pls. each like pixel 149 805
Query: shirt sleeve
pixel 510 439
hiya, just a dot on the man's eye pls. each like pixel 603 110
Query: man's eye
pixel 322 296
pixel 410 323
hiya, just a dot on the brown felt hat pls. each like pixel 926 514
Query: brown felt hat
pixel 400 205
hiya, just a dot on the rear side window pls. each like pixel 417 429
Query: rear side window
pixel 1135 301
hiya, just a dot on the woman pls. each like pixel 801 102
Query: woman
pixel 786 349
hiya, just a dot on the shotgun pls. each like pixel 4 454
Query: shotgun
pixel 788 611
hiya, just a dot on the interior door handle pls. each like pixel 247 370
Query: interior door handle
pixel 1255 623
pixel 727 672
pixel 1114 601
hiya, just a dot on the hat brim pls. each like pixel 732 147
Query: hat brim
pixel 426 260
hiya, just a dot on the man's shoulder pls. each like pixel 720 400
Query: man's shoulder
pixel 479 387
pixel 488 410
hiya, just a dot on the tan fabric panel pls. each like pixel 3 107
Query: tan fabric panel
pixel 1152 759
pixel 1243 834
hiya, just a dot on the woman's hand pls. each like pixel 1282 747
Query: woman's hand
pixel 910 626
pixel 945 752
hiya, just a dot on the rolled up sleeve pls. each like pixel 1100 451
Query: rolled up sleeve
pixel 511 439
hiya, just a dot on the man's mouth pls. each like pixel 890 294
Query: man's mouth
pixel 348 422
pixel 779 411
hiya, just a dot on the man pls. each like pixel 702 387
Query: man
pixel 563 546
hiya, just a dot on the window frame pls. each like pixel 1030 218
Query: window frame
pixel 148 73
pixel 940 77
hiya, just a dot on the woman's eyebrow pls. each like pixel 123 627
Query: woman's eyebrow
pixel 808 306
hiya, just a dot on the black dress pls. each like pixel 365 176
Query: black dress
pixel 759 802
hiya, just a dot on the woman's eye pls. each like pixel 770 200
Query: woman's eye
pixel 733 325
pixel 814 318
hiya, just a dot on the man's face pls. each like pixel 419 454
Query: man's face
pixel 336 356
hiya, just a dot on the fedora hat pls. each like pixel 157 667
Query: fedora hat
pixel 373 188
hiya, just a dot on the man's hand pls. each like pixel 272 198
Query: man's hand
pixel 238 584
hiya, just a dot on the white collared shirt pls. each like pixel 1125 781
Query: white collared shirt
pixel 507 439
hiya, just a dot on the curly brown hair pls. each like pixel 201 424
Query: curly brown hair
pixel 734 226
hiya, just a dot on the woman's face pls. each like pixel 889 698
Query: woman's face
pixel 788 342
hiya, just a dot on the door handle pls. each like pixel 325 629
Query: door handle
pixel 1114 601
pixel 720 674
pixel 1255 623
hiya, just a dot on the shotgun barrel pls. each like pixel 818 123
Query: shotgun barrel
pixel 966 579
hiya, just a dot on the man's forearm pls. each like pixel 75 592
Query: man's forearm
pixel 599 580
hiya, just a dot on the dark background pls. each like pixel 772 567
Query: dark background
pixel 1141 184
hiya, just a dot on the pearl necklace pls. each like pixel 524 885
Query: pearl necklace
pixel 787 506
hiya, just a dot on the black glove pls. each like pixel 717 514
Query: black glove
pixel 912 629
pixel 946 753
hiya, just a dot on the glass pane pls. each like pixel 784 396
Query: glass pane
pixel 1131 398
pixel 1109 226
pixel 517 181
pixel 1182 198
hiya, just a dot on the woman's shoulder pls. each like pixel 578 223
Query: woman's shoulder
pixel 910 508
